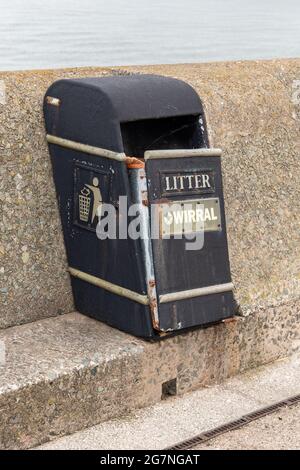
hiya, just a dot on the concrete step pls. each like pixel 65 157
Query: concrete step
pixel 64 374
pixel 179 418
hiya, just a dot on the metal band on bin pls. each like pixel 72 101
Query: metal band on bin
pixel 182 153
pixel 121 157
pixel 144 299
pixel 98 151
pixel 109 286
pixel 199 292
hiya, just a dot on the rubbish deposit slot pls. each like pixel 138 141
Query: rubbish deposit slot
pixel 142 137
pixel 161 134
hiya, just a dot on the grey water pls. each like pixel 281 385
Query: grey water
pixel 68 33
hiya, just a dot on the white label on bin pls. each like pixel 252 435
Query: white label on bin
pixel 190 216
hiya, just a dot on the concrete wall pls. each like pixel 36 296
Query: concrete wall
pixel 253 114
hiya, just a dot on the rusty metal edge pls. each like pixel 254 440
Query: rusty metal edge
pixel 140 191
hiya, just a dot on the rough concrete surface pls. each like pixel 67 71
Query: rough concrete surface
pixel 278 431
pixel 176 419
pixel 66 373
pixel 253 114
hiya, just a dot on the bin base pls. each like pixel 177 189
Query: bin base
pixel 134 318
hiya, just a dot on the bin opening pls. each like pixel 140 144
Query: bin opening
pixel 161 134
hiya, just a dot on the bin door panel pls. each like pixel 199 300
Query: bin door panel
pixel 194 185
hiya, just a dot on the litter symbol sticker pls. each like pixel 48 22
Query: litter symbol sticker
pixel 2 92
pixel 89 185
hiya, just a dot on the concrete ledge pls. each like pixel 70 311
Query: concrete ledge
pixel 171 421
pixel 67 373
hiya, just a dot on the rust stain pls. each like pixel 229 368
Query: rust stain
pixel 230 320
pixel 53 101
pixel 152 283
pixel 145 200
pixel 134 163
pixel 163 200
pixel 153 303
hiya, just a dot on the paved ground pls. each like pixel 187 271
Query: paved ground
pixel 278 431
pixel 180 418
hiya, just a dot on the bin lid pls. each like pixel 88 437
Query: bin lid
pixel 90 103
pixel 135 97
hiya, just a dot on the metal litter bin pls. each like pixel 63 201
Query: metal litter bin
pixel 142 137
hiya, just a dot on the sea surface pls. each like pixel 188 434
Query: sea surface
pixel 62 33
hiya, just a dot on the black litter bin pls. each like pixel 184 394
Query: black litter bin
pixel 144 138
